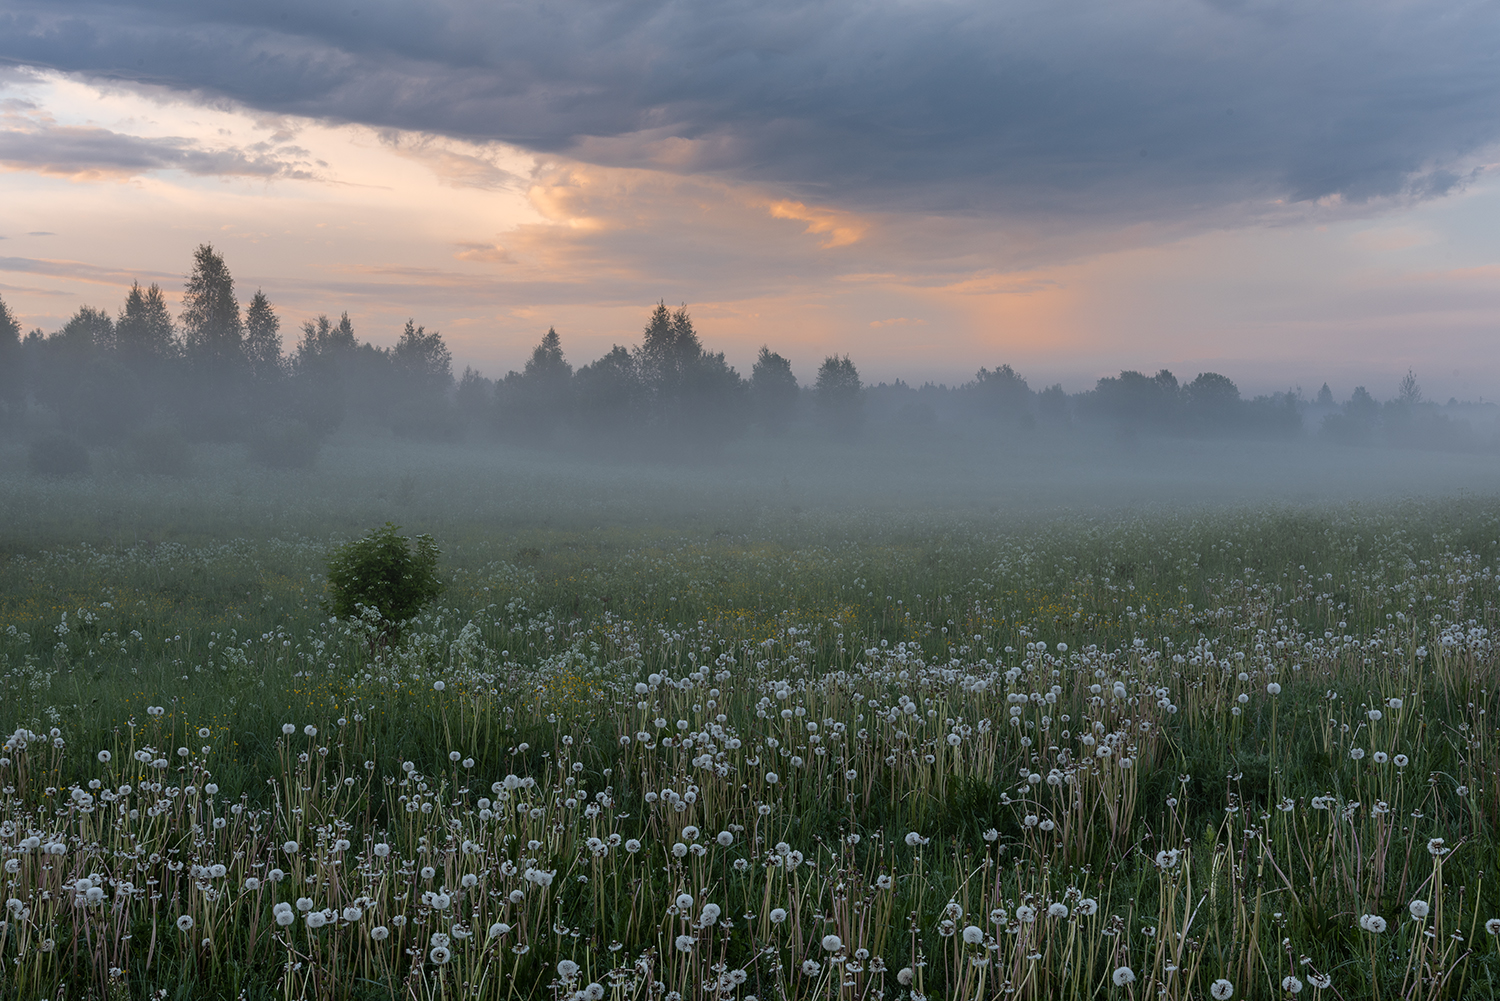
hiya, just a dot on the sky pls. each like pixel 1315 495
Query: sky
pixel 1286 193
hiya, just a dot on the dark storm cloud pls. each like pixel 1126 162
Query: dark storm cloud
pixel 1141 109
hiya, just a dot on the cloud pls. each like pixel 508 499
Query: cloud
pixel 34 142
pixel 898 321
pixel 80 271
pixel 1104 112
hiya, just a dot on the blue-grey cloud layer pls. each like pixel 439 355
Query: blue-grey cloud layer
pixel 1135 108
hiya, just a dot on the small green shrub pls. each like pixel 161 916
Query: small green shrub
pixel 385 571
pixel 57 455
pixel 285 445
pixel 161 449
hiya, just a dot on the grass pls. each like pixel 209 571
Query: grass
pixel 900 751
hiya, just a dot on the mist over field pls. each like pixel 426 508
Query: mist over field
pixel 658 501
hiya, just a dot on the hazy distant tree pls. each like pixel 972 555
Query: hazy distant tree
pixel 87 332
pixel 474 395
pixel 1409 392
pixel 210 313
pixel 144 332
pixel 669 351
pixel 1134 399
pixel 1212 399
pixel 12 384
pixel 532 403
pixel 323 340
pixel 1002 394
pixel 840 394
pixel 609 395
pixel 774 391
pixel 262 338
pixel 1362 404
pixel 1325 396
pixel 423 360
pixel 1052 404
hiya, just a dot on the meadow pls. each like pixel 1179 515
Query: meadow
pixel 744 732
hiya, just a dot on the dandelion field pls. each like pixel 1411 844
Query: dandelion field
pixel 1214 753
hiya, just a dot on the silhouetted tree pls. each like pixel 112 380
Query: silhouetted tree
pixel 423 360
pixel 474 395
pixel 1002 394
pixel 144 333
pixel 840 394
pixel 1212 400
pixel 1134 399
pixel 1052 404
pixel 669 352
pixel 12 378
pixel 1325 396
pixel 773 391
pixel 609 395
pixel 532 403
pixel 1409 392
pixel 88 331
pixel 263 339
pixel 212 330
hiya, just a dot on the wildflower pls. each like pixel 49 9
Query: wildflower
pixel 310 730
pixel 1380 757
pixel 593 992
pixel 1393 703
pixel 469 881
pixel 684 902
pixel 973 935
pixel 1374 715
pixel 1357 753
pixel 1401 760
pixel 1025 914
pixel 251 883
pixel 282 912
pixel 1221 990
pixel 1123 975
pixel 185 923
pixel 632 846
pixel 1271 689
pixel 1418 909
pixel 382 850
pixel 567 969
pixel 684 943
pixel 438 686
pixel 289 728
pixel 772 778
pixel 1372 923
pixel 913 839
pixel 725 839
pixel 304 904
pixel 832 943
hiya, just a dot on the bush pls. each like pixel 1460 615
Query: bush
pixel 384 571
pixel 284 445
pixel 57 455
pixel 161 449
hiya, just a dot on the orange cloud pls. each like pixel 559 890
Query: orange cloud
pixel 843 228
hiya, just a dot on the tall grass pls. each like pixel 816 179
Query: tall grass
pixel 1172 755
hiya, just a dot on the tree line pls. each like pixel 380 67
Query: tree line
pixel 216 371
